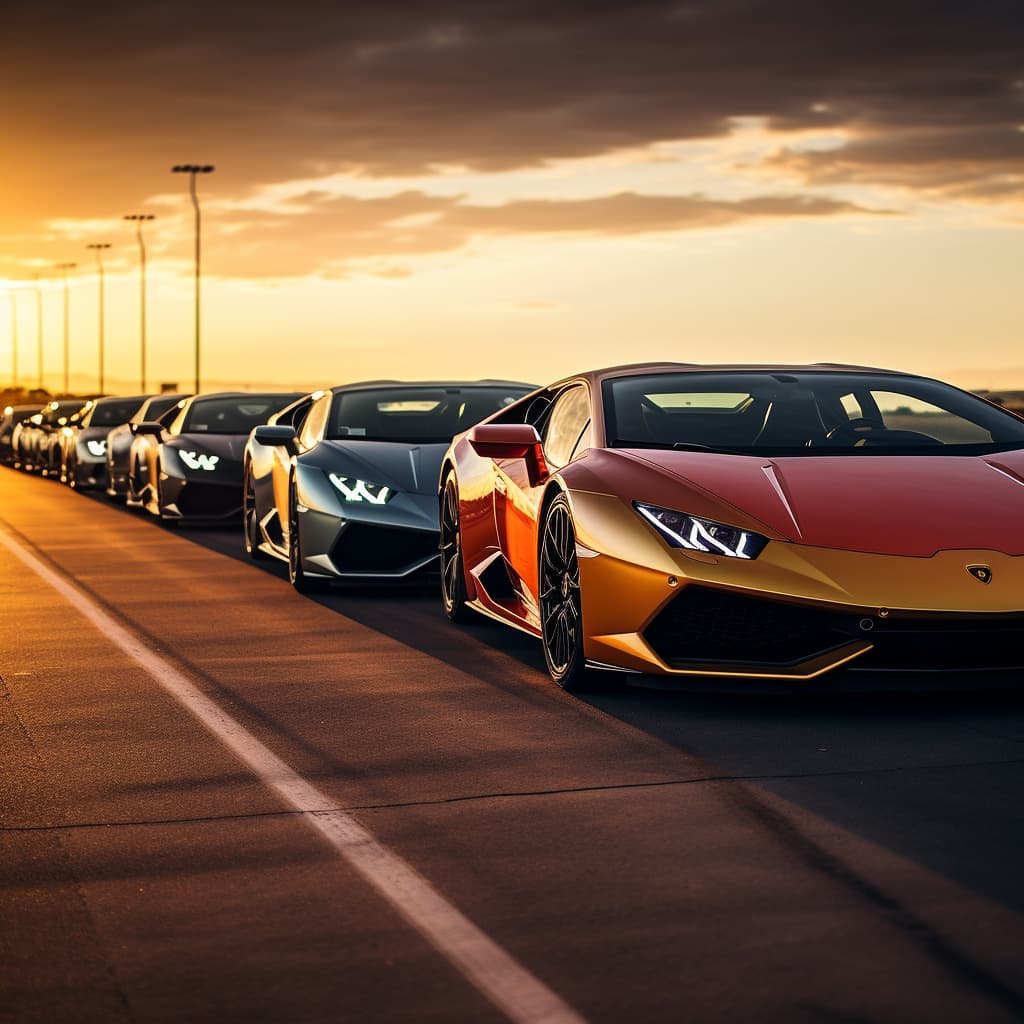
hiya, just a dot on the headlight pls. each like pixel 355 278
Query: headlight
pixel 360 490
pixel 97 448
pixel 686 531
pixel 198 460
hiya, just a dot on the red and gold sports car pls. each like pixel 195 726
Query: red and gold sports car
pixel 761 522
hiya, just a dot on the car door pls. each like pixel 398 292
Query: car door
pixel 560 422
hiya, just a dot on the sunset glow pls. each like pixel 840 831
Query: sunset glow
pixel 472 191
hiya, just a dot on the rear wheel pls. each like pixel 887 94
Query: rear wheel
pixel 250 520
pixel 453 582
pixel 560 605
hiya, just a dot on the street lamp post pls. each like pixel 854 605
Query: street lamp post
pixel 39 331
pixel 12 297
pixel 139 219
pixel 98 248
pixel 65 267
pixel 192 170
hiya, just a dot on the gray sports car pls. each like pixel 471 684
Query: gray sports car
pixel 343 485
pixel 119 441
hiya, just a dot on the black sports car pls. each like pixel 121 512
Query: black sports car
pixel 194 470
pixel 83 446
pixel 35 441
pixel 13 415
pixel 119 441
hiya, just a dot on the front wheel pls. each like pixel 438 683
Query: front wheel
pixel 250 520
pixel 560 605
pixel 453 580
pixel 296 575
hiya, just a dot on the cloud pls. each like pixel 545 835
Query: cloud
pixel 339 235
pixel 982 163
pixel 101 98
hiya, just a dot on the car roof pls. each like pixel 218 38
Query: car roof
pixel 486 383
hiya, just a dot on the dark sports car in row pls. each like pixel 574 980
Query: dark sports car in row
pixel 13 415
pixel 763 522
pixel 119 441
pixel 35 441
pixel 82 446
pixel 343 484
pixel 188 465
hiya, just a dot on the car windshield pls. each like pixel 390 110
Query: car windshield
pixel 111 414
pixel 154 408
pixel 236 414
pixel 415 415
pixel 811 413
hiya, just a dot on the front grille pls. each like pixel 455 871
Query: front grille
pixel 705 625
pixel 945 645
pixel 210 501
pixel 364 548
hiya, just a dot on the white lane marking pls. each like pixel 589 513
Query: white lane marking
pixel 493 971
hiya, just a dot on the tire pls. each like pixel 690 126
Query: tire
pixel 561 612
pixel 453 580
pixel 160 514
pixel 250 523
pixel 70 474
pixel 298 579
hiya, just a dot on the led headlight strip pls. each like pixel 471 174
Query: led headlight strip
pixel 198 460
pixel 682 530
pixel 360 490
pixel 97 448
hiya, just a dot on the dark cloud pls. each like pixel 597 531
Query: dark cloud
pixel 973 163
pixel 335 235
pixel 101 98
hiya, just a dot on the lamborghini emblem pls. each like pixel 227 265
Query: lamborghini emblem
pixel 982 573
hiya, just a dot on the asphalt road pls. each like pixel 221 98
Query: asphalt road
pixel 636 856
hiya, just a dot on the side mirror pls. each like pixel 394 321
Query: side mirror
pixel 150 427
pixel 274 437
pixel 511 441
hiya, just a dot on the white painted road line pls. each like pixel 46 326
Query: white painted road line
pixel 493 971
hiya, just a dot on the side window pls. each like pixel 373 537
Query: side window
pixel 313 428
pixel 568 419
pixel 851 406
pixel 297 417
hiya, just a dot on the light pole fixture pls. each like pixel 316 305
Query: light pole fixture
pixel 192 170
pixel 139 219
pixel 98 248
pixel 64 268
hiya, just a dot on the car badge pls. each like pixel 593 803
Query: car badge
pixel 982 573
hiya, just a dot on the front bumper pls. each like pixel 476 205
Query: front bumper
pixel 794 613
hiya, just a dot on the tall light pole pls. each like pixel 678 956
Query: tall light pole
pixel 192 170
pixel 139 219
pixel 39 331
pixel 98 248
pixel 65 267
pixel 11 296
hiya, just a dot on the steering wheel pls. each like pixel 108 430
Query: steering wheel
pixel 852 431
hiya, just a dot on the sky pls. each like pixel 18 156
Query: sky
pixel 514 190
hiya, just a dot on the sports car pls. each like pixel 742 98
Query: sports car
pixel 343 485
pixel 35 442
pixel 12 416
pixel 119 441
pixel 193 471
pixel 82 446
pixel 758 522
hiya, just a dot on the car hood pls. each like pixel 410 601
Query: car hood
pixel 402 467
pixel 889 504
pixel 227 446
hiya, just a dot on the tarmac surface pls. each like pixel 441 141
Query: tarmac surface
pixel 484 847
